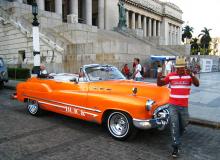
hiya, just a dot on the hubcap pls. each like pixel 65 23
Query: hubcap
pixel 33 107
pixel 118 124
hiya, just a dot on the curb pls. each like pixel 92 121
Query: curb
pixel 206 123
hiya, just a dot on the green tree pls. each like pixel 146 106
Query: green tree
pixel 187 33
pixel 205 40
pixel 194 46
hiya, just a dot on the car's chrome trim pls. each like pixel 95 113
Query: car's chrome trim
pixel 142 124
pixel 65 104
pixel 148 123
pixel 66 108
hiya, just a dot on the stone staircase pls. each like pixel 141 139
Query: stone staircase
pixel 158 49
pixel 26 28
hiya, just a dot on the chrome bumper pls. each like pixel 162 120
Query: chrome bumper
pixel 149 123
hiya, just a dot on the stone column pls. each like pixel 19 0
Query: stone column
pixel 149 27
pixel 174 35
pixel 171 34
pixel 177 39
pixel 41 4
pixel 133 20
pixel 74 7
pixel 145 26
pixel 179 35
pixel 101 13
pixel 127 18
pixel 89 12
pixel 139 21
pixel 154 28
pixel 58 7
pixel 158 28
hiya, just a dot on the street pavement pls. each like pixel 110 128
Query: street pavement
pixel 204 101
pixel 56 137
pixel 204 106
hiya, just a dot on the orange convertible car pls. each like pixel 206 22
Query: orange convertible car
pixel 101 94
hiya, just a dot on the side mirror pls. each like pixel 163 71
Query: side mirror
pixel 75 80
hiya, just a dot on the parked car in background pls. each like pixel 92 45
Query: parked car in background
pixel 3 73
pixel 100 94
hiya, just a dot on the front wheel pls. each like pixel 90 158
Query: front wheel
pixel 34 108
pixel 120 125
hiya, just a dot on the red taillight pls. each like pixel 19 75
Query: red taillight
pixel 14 96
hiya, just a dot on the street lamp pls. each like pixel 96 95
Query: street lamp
pixel 36 41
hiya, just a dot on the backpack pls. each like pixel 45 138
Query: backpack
pixel 142 71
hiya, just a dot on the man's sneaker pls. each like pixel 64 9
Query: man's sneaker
pixel 175 153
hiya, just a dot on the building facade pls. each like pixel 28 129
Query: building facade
pixel 77 32
pixel 152 17
pixel 215 46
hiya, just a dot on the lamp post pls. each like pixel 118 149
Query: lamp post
pixel 36 41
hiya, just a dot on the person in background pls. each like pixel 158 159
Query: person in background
pixel 43 72
pixel 134 65
pixel 126 71
pixel 168 67
pixel 137 73
pixel 180 82
pixel 155 67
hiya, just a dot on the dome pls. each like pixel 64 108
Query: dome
pixel 173 6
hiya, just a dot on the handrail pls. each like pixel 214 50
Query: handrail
pixel 7 19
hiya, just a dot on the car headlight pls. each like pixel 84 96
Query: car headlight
pixel 149 104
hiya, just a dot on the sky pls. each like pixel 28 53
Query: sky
pixel 199 14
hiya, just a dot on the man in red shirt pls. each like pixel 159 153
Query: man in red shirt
pixel 180 82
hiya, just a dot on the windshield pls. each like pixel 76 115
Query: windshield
pixel 99 73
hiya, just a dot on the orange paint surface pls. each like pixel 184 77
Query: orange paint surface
pixel 90 100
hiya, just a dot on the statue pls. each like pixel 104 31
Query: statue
pixel 122 14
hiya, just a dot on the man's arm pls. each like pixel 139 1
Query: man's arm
pixel 195 80
pixel 135 74
pixel 160 80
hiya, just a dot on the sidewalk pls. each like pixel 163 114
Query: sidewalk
pixel 204 106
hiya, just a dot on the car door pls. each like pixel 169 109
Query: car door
pixel 68 98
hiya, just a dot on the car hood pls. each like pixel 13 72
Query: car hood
pixel 144 89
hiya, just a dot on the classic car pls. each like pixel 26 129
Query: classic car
pixel 100 94
pixel 3 73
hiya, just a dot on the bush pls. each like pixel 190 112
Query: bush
pixel 19 73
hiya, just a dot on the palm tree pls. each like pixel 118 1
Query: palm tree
pixel 205 39
pixel 194 46
pixel 187 33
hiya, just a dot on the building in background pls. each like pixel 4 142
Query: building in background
pixel 76 32
pixel 215 46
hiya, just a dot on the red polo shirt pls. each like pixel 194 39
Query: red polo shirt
pixel 180 88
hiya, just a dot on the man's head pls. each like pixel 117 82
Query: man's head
pixel 180 65
pixel 136 61
pixel 42 67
